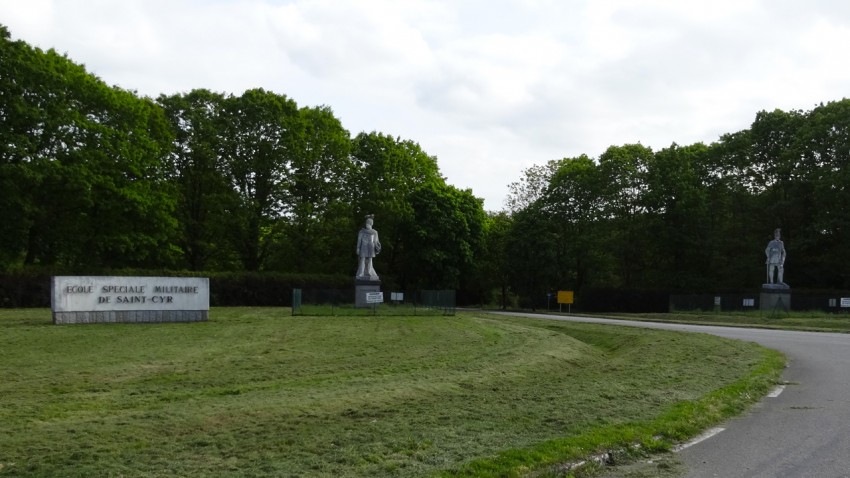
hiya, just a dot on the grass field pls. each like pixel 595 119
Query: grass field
pixel 257 392
pixel 814 321
pixel 384 309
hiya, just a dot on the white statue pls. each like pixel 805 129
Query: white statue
pixel 368 246
pixel 775 252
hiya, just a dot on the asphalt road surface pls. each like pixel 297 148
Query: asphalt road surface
pixel 803 431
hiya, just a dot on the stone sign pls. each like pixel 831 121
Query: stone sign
pixel 94 299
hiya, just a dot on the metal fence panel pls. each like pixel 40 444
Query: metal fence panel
pixel 739 302
pixel 326 302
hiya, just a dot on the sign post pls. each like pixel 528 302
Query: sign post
pixel 565 297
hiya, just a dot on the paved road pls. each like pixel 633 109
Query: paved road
pixel 803 432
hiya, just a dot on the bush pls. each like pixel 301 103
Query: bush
pixel 267 289
pixel 25 289
pixel 622 300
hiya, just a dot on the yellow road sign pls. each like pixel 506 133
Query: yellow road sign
pixel 565 297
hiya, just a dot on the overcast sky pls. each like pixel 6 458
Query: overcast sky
pixel 488 87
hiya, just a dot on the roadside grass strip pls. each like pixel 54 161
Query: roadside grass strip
pixel 258 392
pixel 810 321
pixel 587 453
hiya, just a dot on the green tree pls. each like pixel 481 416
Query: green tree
pixel 532 257
pixel 821 244
pixel 677 211
pixel 321 194
pixel 732 237
pixel 531 186
pixel 388 171
pixel 494 272
pixel 87 162
pixel 622 172
pixel 779 165
pixel 262 135
pixel 204 192
pixel 18 117
pixel 448 231
pixel 574 202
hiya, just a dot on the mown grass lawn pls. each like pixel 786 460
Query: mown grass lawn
pixel 257 392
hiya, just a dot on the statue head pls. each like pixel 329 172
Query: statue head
pixel 776 233
pixel 370 219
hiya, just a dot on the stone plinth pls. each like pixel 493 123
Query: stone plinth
pixel 130 316
pixel 363 286
pixel 775 297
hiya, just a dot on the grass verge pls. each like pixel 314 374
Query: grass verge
pixel 814 321
pixel 586 453
pixel 257 392
pixel 383 309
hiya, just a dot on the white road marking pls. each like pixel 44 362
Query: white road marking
pixel 705 436
pixel 714 431
pixel 776 391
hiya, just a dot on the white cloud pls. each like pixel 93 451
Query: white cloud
pixel 362 42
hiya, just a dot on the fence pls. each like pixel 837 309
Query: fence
pixel 342 302
pixel 741 302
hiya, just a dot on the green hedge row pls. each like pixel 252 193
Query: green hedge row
pixel 24 290
pixel 268 289
pixel 622 300
pixel 31 288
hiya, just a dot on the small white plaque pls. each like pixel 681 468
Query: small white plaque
pixel 374 297
pixel 397 296
pixel 845 302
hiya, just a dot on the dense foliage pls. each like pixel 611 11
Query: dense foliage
pixel 692 218
pixel 96 178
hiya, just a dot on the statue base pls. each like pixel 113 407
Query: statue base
pixel 361 288
pixel 775 297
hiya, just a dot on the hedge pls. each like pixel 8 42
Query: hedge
pixel 31 288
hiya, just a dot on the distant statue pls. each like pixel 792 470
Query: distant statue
pixel 368 246
pixel 775 252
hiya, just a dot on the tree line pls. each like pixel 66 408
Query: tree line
pixel 97 178
pixel 691 218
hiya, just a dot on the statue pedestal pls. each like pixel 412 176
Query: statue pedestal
pixel 775 297
pixel 361 288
